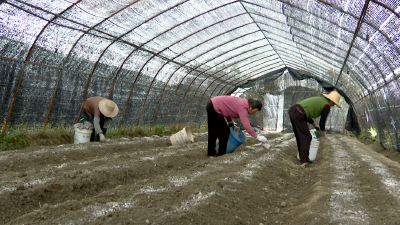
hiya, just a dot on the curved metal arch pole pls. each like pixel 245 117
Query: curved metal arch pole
pixel 201 100
pixel 197 56
pixel 196 92
pixel 343 28
pixel 372 44
pixel 324 55
pixel 219 78
pixel 141 46
pixel 24 66
pixel 194 58
pixel 189 20
pixel 183 64
pixel 235 84
pixel 194 95
pixel 178 88
pixel 69 54
pixel 350 14
pixel 117 39
pixel 179 40
pixel 245 9
pixel 84 32
pixel 154 54
pixel 241 2
pixel 202 72
pixel 205 53
pixel 360 21
pixel 314 15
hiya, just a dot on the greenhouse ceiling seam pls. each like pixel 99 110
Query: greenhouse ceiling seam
pixel 290 31
pixel 335 59
pixel 360 21
pixel 241 2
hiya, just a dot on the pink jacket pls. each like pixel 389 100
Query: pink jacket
pixel 234 107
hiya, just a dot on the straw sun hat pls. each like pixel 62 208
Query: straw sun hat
pixel 334 96
pixel 108 108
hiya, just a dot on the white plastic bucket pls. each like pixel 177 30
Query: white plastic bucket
pixel 182 137
pixel 82 135
pixel 312 154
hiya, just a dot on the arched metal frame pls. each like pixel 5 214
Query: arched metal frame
pixel 288 45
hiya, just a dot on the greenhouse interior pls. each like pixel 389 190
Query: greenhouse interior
pixel 161 61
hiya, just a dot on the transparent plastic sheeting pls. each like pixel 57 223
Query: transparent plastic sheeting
pixel 162 60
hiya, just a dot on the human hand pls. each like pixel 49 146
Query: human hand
pixel 102 138
pixel 261 138
pixel 316 127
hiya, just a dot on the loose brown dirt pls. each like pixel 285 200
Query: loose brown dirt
pixel 148 181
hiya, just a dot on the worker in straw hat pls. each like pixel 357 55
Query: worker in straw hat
pixel 303 112
pixel 100 111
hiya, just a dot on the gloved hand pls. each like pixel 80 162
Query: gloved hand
pixel 102 138
pixel 261 138
pixel 230 124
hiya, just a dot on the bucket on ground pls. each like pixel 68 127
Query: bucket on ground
pixel 82 135
pixel 312 154
pixel 234 141
pixel 182 137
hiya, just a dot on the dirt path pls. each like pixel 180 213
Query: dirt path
pixel 148 181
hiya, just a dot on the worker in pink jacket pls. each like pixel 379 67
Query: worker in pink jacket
pixel 221 107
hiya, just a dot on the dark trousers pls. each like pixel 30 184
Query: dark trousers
pixel 217 128
pixel 91 119
pixel 298 119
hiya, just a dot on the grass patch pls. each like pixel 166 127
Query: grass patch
pixel 19 137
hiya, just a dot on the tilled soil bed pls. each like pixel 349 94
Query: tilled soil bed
pixel 149 181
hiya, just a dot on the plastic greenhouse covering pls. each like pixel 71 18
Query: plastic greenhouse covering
pixel 162 60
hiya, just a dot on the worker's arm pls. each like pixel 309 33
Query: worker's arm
pixel 324 116
pixel 96 124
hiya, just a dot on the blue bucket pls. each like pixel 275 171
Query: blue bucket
pixel 234 141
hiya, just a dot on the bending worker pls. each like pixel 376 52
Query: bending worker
pixel 303 112
pixel 100 111
pixel 221 107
